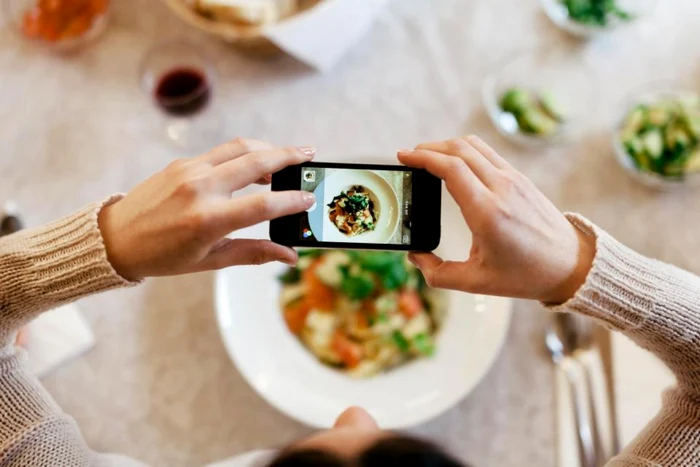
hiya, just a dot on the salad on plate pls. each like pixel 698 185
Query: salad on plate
pixel 361 312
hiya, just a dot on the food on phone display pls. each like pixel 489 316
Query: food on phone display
pixel 361 312
pixel 353 212
pixel 595 12
pixel 535 114
pixel 664 137
pixel 58 20
pixel 247 12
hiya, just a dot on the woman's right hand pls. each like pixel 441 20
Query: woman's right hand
pixel 522 245
pixel 176 222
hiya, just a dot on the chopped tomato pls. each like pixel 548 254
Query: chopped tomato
pixel 295 315
pixel 318 295
pixel 361 321
pixel 31 25
pixel 369 306
pixel 54 20
pixel 77 27
pixel 350 352
pixel 410 303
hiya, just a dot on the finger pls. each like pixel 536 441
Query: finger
pixel 254 209
pixel 443 274
pixel 481 167
pixel 234 149
pixel 461 182
pixel 253 166
pixel 266 180
pixel 240 252
pixel 488 152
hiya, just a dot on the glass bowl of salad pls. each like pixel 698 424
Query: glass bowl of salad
pixel 586 18
pixel 657 139
pixel 541 98
pixel 60 25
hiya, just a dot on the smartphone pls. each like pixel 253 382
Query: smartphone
pixel 361 206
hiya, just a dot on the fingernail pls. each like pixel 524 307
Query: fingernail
pixel 309 198
pixel 404 152
pixel 308 151
pixel 290 262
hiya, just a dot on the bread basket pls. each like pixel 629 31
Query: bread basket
pixel 245 38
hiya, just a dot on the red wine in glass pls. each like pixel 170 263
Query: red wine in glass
pixel 183 91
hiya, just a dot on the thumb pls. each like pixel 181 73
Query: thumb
pixel 240 252
pixel 443 274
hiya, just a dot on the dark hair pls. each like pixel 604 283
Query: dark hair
pixel 401 451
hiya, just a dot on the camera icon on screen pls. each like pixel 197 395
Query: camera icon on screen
pixel 309 176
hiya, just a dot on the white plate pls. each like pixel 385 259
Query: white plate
pixel 283 372
pixel 381 193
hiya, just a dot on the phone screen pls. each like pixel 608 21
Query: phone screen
pixel 357 206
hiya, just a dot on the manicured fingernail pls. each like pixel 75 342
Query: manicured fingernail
pixel 309 198
pixel 308 151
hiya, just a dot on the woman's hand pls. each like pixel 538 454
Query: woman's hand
pixel 522 245
pixel 175 222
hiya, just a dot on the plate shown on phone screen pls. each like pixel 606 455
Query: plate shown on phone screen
pixel 292 380
pixel 381 193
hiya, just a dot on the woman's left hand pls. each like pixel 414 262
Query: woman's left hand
pixel 175 222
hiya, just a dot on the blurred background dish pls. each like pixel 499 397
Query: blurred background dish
pixel 60 25
pixel 657 140
pixel 241 22
pixel 294 381
pixel 587 18
pixel 539 97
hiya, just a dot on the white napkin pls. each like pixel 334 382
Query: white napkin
pixel 639 380
pixel 321 36
pixel 57 337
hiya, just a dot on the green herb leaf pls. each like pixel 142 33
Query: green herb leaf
pixel 358 287
pixel 401 342
pixel 395 276
pixel 424 345
pixel 290 276
pixel 376 261
pixel 312 253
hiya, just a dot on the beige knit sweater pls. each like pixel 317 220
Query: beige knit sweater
pixel 653 303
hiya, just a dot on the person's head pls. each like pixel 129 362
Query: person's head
pixel 357 441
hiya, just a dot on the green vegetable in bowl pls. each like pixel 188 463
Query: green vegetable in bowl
pixel 664 137
pixel 536 114
pixel 595 12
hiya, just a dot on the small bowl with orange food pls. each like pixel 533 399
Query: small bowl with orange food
pixel 58 25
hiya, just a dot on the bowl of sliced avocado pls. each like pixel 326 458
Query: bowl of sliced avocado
pixel 658 139
pixel 539 99
pixel 586 18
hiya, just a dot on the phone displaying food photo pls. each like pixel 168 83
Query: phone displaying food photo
pixel 361 206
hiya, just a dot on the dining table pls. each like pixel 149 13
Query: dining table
pixel 158 385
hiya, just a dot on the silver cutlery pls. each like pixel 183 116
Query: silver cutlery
pixel 560 342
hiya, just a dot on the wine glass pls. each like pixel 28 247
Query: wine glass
pixel 180 80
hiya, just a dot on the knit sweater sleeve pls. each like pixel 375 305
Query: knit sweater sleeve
pixel 658 306
pixel 41 269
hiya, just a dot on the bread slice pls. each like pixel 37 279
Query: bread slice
pixel 250 12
